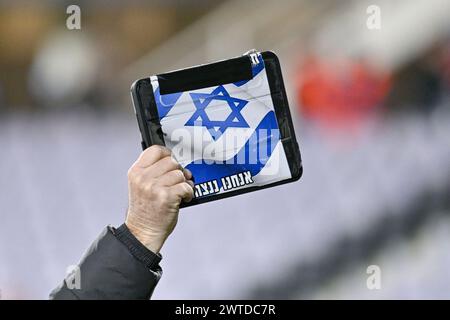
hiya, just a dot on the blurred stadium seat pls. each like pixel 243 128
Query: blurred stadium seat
pixel 65 177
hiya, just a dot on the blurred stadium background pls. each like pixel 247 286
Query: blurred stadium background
pixel 371 110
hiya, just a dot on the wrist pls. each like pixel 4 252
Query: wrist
pixel 152 241
pixel 136 248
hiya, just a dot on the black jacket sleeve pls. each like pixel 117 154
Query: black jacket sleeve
pixel 116 266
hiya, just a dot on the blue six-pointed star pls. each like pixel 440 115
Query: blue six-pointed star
pixel 217 128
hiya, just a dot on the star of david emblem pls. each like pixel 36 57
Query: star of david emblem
pixel 216 127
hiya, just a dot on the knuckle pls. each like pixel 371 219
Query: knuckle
pixel 148 187
pixel 138 179
pixel 155 150
pixel 163 194
pixel 158 150
pixel 131 174
pixel 172 162
pixel 169 164
pixel 187 188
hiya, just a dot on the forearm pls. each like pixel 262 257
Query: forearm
pixel 116 266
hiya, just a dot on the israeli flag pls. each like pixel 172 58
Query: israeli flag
pixel 226 135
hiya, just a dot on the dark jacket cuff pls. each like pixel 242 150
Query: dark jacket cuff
pixel 137 249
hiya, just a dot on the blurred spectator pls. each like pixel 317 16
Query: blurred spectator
pixel 64 69
pixel 445 66
pixel 419 84
pixel 340 94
